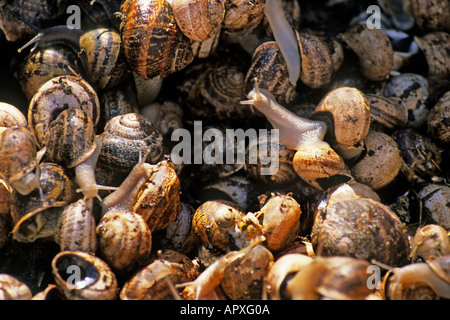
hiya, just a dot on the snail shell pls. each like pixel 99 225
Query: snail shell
pixel 70 138
pixel 243 278
pixel 376 63
pixel 213 220
pixel 18 161
pixel 435 203
pixel 432 14
pixel 37 215
pixel 44 64
pixel 360 228
pixel 153 43
pixel 5 217
pixel 269 66
pixel 282 270
pixel 317 66
pixel 430 242
pixel 422 157
pixel 199 20
pixel 151 282
pixel 388 114
pixel 124 138
pixel 158 201
pixel 436 48
pixel 13 289
pixel 414 91
pixel 125 240
pixel 106 62
pixel 56 95
pixel 381 162
pixel 438 119
pixel 82 276
pixel 11 116
pixel 347 114
pixel 51 292
pixel 167 116
pixel 280 218
pixel 416 281
pixel 339 278
pixel 242 14
pixel 76 231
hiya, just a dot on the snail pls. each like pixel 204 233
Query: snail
pixel 388 114
pixel 76 229
pixel 166 116
pixel 430 242
pixel 125 240
pixel 153 43
pixel 435 46
pixel 51 292
pixel 19 160
pixel 438 119
pixel 434 198
pixel 243 277
pixel 314 161
pixel 213 220
pixel 56 95
pixel 375 64
pixel 11 116
pixel 5 217
pixel 199 20
pixel 418 281
pixel 82 276
pixel 126 136
pixel 381 162
pixel 154 281
pixel 280 218
pixel 13 289
pixel 361 228
pixel 281 271
pixel 340 278
pixel 346 112
pixel 431 14
pixel 37 215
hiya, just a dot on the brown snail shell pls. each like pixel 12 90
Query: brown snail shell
pixel 436 48
pixel 125 240
pixel 351 190
pixel 51 292
pixel 280 218
pixel 243 278
pixel 430 242
pixel 432 14
pixel 5 217
pixel 213 220
pixel 243 15
pixel 54 96
pixel 158 201
pixel 435 199
pixel 438 119
pixel 388 114
pixel 199 20
pixel 106 62
pixel 269 67
pixel 11 116
pixel 152 281
pixel 339 278
pixel 37 215
pixel 124 138
pixel 376 63
pixel 414 91
pixel 375 232
pixel 422 157
pixel 416 281
pixel 19 159
pixel 82 276
pixel 13 289
pixel 381 163
pixel 347 114
pixel 153 43
pixel 317 66
pixel 70 138
pixel 282 270
pixel 44 64
pixel 77 228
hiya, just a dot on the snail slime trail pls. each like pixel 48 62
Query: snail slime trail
pixel 233 153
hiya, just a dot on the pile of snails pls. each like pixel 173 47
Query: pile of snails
pixel 94 207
